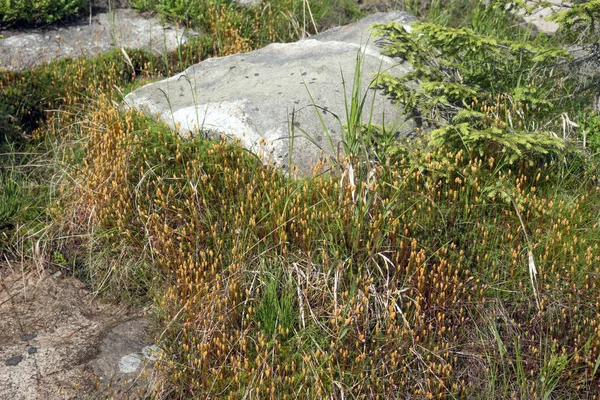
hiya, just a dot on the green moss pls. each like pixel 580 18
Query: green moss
pixel 26 96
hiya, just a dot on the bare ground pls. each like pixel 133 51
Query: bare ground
pixel 57 341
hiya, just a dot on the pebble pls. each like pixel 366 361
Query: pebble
pixel 32 350
pixel 28 336
pixel 11 362
pixel 130 363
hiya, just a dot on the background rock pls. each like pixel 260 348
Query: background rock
pixel 265 97
pixel 248 3
pixel 21 49
pixel 538 17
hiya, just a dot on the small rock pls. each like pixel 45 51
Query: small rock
pixel 57 274
pixel 11 362
pixel 32 350
pixel 130 363
pixel 28 336
pixel 248 3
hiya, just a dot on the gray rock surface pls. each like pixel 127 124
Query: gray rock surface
pixel 21 49
pixel 120 347
pixel 265 97
pixel 248 3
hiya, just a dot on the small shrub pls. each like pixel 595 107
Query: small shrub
pixel 493 97
pixel 580 21
pixel 36 12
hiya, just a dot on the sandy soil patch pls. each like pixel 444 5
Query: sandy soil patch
pixel 57 341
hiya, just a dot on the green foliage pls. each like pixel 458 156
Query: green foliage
pixel 185 11
pixel 579 21
pixel 22 197
pixel 381 143
pixel 238 28
pixel 193 51
pixel 458 58
pixel 35 12
pixel 352 137
pixel 494 142
pixel 11 194
pixel 277 309
pixel 488 94
pixel 589 124
pixel 489 18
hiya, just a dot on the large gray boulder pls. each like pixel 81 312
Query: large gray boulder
pixel 265 97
